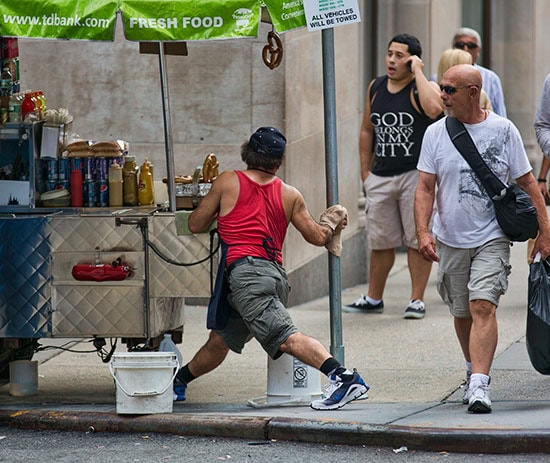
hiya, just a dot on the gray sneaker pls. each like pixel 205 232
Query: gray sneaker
pixel 415 310
pixel 479 401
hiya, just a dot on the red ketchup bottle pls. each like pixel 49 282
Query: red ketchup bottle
pixel 27 105
pixel 76 188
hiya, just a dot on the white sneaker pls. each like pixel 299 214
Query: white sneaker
pixel 479 401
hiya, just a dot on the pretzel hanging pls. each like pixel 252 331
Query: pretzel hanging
pixel 272 53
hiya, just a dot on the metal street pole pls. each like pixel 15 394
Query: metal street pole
pixel 331 167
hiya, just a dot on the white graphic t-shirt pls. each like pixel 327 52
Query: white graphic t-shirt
pixel 465 217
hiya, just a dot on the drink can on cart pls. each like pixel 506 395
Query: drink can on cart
pixel 63 168
pixel 64 184
pixel 89 168
pixel 90 193
pixel 16 87
pixel 51 168
pixel 78 164
pixel 51 185
pixel 40 186
pixel 101 168
pixel 102 193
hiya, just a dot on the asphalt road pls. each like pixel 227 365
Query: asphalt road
pixel 19 445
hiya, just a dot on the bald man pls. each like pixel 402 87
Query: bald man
pixel 472 250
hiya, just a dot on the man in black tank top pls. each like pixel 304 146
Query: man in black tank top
pixel 398 109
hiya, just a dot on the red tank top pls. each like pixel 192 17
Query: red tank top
pixel 257 225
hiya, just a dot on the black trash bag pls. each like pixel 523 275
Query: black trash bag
pixel 538 316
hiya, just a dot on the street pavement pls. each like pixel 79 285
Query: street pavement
pixel 414 367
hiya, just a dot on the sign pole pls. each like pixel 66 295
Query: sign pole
pixel 331 167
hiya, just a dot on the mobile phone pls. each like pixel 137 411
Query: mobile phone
pixel 409 66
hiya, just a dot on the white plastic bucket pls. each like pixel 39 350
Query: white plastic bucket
pixel 23 378
pixel 289 382
pixel 144 381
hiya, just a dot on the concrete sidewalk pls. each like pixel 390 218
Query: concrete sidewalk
pixel 414 367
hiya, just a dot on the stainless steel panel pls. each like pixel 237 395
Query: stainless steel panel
pixel 173 280
pixel 24 277
pixel 108 311
pixel 86 233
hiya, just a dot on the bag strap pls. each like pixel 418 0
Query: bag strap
pixel 466 147
pixel 377 83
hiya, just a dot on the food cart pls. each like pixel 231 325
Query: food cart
pixel 135 270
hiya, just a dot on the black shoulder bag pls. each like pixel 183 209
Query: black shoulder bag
pixel 514 210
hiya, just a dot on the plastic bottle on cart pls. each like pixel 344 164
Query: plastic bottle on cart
pixel 146 195
pixel 77 196
pixel 6 82
pixel 130 181
pixel 115 185
pixel 14 108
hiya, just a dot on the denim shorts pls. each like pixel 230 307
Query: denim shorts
pixel 258 295
pixel 470 274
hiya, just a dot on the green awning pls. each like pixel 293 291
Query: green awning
pixel 145 20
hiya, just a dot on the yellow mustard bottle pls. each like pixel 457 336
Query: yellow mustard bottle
pixel 146 195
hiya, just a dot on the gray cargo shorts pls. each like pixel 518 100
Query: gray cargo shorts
pixel 470 274
pixel 258 295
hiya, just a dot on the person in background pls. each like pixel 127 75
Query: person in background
pixel 398 109
pixel 253 208
pixel 469 40
pixel 472 250
pixel 542 119
pixel 542 133
pixel 452 57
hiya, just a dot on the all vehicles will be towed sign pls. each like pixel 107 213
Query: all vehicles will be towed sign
pixel 145 20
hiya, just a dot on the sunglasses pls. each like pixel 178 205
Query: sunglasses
pixel 470 45
pixel 450 90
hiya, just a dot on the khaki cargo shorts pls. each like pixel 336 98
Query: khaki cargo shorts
pixel 258 295
pixel 466 275
pixel 390 210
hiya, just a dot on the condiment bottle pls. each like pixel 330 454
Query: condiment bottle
pixel 27 105
pixel 146 194
pixel 77 198
pixel 130 181
pixel 115 185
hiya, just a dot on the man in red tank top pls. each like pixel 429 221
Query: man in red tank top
pixel 253 208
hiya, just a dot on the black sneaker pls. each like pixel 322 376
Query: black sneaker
pixel 362 305
pixel 415 310
pixel 342 390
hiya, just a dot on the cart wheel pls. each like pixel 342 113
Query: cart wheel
pixel 8 354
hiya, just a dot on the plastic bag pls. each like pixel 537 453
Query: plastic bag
pixel 538 315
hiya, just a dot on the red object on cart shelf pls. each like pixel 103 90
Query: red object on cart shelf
pixel 27 105
pixel 101 272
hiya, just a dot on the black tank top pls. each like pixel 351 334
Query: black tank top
pixel 398 129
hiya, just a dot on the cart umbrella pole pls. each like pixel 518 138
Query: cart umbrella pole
pixel 168 141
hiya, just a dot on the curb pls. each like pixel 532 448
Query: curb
pixel 325 431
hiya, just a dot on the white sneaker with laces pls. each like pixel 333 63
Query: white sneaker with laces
pixel 342 390
pixel 479 401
